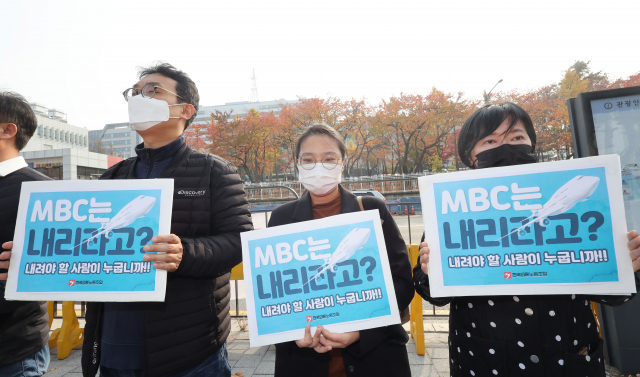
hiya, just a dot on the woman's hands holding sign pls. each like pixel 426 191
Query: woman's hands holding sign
pixel 5 256
pixel 634 248
pixel 324 340
pixel 424 257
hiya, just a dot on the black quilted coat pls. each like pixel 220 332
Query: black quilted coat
pixel 210 211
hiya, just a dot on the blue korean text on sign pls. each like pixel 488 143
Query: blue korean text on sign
pixel 286 294
pixel 552 227
pixel 89 241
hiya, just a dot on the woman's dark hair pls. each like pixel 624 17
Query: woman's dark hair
pixel 484 121
pixel 185 87
pixel 15 109
pixel 322 129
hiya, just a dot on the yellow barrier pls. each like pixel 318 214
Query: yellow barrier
pixel 69 335
pixel 53 338
pixel 237 273
pixel 417 324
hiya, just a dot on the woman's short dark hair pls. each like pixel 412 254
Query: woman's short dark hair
pixel 185 87
pixel 484 121
pixel 15 109
pixel 322 129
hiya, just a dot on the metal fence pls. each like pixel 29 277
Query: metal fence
pixel 285 189
pixel 83 309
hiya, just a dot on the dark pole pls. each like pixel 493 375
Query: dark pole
pixel 455 143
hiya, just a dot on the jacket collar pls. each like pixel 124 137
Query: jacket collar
pixel 304 212
pixel 183 152
pixel 162 153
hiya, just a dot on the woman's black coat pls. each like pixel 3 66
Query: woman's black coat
pixel 522 335
pixel 380 351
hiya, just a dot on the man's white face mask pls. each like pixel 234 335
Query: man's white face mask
pixel 145 113
pixel 320 180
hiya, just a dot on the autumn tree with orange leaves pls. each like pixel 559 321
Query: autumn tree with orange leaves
pixel 406 134
pixel 197 136
pixel 418 126
pixel 246 142
pixel 295 118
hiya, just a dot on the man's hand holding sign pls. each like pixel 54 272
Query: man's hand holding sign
pixel 171 246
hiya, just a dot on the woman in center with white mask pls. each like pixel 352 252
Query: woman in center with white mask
pixel 320 154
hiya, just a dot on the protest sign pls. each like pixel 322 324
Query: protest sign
pixel 546 228
pixel 82 240
pixel 332 272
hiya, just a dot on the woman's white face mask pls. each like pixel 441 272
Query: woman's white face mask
pixel 320 180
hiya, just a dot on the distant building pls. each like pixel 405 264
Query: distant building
pixel 242 108
pixel 119 138
pixel 60 150
pixel 54 132
pixel 69 163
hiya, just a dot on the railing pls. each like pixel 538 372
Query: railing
pixel 276 190
pixel 279 192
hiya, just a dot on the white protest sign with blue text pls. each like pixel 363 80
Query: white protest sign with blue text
pixel 332 272
pixel 82 240
pixel 545 228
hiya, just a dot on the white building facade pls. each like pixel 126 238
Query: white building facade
pixel 60 150
pixel 54 132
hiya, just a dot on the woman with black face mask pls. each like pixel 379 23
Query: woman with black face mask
pixel 552 335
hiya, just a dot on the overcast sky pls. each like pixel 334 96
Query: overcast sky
pixel 78 56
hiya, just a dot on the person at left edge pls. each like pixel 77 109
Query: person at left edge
pixel 24 325
pixel 186 334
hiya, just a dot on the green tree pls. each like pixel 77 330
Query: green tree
pixel 596 79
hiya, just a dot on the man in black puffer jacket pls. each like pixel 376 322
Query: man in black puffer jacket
pixel 186 334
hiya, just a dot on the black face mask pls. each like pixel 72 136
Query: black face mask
pixel 506 155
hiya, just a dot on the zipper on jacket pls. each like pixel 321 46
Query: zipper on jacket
pixel 150 163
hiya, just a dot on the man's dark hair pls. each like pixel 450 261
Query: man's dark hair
pixel 185 88
pixel 484 121
pixel 15 109
pixel 322 129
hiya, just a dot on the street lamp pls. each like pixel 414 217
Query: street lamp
pixel 487 96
